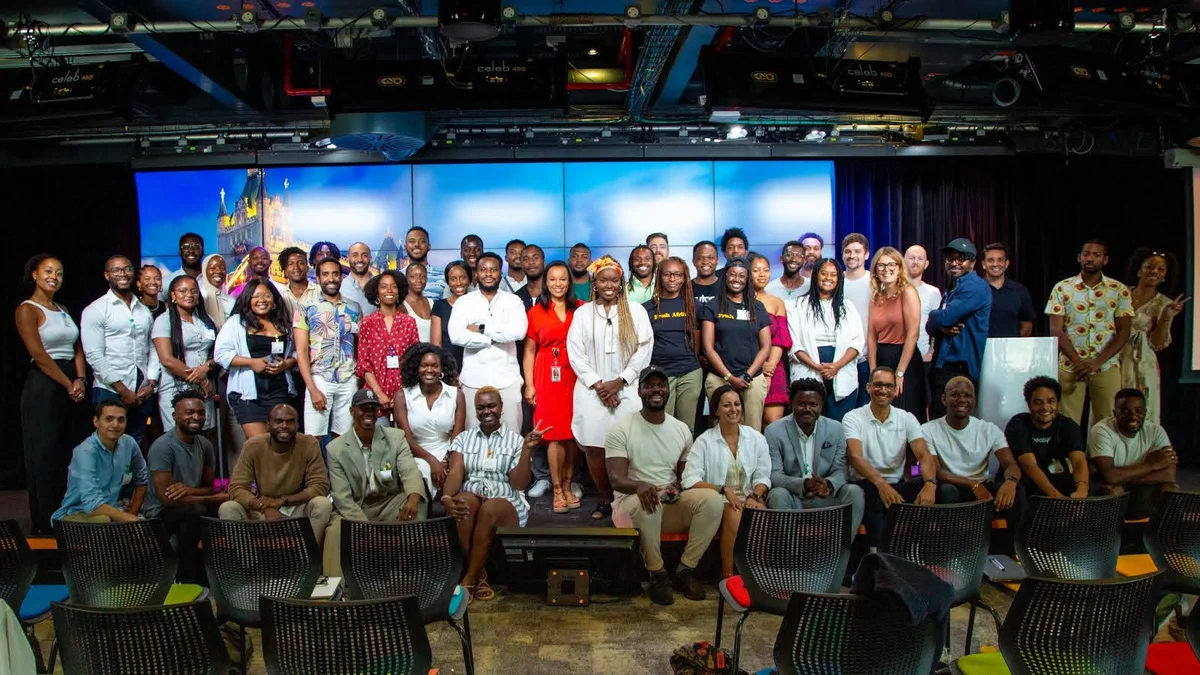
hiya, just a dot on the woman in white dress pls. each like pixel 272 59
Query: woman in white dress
pixel 183 338
pixel 608 344
pixel 415 303
pixel 431 411
pixel 1150 330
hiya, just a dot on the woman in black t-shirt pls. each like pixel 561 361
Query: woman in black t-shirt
pixel 676 338
pixel 1048 446
pixel 458 280
pixel 735 330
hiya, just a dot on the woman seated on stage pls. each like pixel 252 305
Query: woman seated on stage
pixel 430 410
pixel 484 489
pixel 732 459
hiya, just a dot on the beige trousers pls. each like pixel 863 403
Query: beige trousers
pixel 697 512
pixel 753 399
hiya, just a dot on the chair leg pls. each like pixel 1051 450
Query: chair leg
pixel 720 618
pixel 737 641
pixel 39 663
pixel 970 628
pixel 464 636
pixel 243 662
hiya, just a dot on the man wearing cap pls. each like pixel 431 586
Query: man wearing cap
pixel 374 477
pixel 959 328
pixel 644 454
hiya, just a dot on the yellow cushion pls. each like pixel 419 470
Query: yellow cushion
pixel 182 593
pixel 1136 565
pixel 987 663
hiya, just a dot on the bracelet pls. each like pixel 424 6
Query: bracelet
pixel 1012 478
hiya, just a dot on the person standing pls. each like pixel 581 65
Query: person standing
pixel 856 288
pixel 892 329
pixel 191 256
pixel 258 266
pixel 672 313
pixel 640 287
pixel 735 330
pixel 775 368
pixel 608 344
pixel 53 389
pixel 1150 327
pixel 470 249
pixel 432 411
pixel 660 245
pixel 827 339
pixel 514 280
pixel 916 261
pixel 704 286
pixel 183 339
pixel 149 287
pixel 115 332
pixel 1012 308
pixel 217 302
pixel 325 334
pixel 359 258
pixel 960 326
pixel 533 261
pixel 1091 315
pixel 416 304
pixel 580 260
pixel 459 279
pixel 792 283
pixel 298 290
pixel 416 247
pixel 550 381
pixel 384 338
pixel 734 243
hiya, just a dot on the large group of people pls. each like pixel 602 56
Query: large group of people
pixel 473 389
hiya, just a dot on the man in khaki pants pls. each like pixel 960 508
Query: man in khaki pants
pixel 1090 315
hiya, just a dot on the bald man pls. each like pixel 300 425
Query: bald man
pixel 963 446
pixel 359 258
pixel 916 261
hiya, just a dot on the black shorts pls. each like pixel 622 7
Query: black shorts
pixel 255 410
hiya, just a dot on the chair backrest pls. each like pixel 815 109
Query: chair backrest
pixel 17 565
pixel 853 635
pixel 950 540
pixel 1060 627
pixel 1173 539
pixel 178 639
pixel 388 560
pixel 783 552
pixel 248 559
pixel 116 564
pixel 355 636
pixel 1071 538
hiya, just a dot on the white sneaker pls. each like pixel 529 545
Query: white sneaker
pixel 539 488
pixel 577 490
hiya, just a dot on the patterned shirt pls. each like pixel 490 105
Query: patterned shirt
pixel 1089 315
pixel 331 328
pixel 486 463
pixel 376 344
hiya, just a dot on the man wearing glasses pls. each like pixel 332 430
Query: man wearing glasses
pixel 959 328
pixel 191 256
pixel 115 330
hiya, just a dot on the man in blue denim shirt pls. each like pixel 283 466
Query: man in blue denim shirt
pixel 105 468
pixel 959 328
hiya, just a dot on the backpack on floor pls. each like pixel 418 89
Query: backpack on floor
pixel 701 658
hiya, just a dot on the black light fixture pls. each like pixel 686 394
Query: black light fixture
pixel 470 20
pixel 379 17
pixel 1040 22
pixel 118 22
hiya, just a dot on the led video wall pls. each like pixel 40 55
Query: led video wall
pixel 611 206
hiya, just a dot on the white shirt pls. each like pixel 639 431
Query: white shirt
pixel 807 450
pixel 116 340
pixel 708 460
pixel 490 357
pixel 782 292
pixel 803 327
pixel 883 443
pixel 931 299
pixel 431 427
pixel 512 285
pixel 1105 440
pixel 371 486
pixel 857 292
pixel 965 452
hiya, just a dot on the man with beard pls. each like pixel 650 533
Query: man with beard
pixel 181 477
pixel 258 264
pixel 960 326
pixel 660 245
pixel 515 279
pixel 469 250
pixel 289 473
pixel 856 288
pixel 1091 316
pixel 416 245
pixel 115 331
pixel 1133 454
pixel 191 254
pixel 644 453
pixel 326 333
pixel 916 261
pixel 533 261
pixel 793 283
pixel 488 323
pixel 578 262
pixel 734 243
pixel 640 287
pixel 359 258
pixel 704 259
pixel 1012 307
pixel 299 290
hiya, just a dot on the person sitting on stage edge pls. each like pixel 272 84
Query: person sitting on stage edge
pixel 107 478
pixel 644 453
pixel 290 474
pixel 484 489
pixel 1132 454
pixel 808 457
pixel 373 476
pixel 963 446
pixel 732 460
pixel 1049 446
pixel 876 437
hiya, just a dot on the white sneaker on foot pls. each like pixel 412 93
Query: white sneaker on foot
pixel 539 488
pixel 577 490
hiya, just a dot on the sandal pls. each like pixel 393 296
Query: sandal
pixel 572 500
pixel 560 501
pixel 483 590
pixel 603 511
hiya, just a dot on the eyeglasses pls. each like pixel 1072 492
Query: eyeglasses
pixel 191 247
pixel 888 267
pixel 674 275
pixel 884 385
pixel 120 270
pixel 186 291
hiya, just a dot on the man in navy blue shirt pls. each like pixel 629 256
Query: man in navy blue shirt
pixel 959 328
pixel 1012 307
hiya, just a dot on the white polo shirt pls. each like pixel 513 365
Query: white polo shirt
pixel 883 443
pixel 1105 440
pixel 965 452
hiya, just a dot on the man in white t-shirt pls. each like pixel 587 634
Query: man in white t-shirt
pixel 644 455
pixel 877 436
pixel 856 288
pixel 916 261
pixel 1132 454
pixel 964 446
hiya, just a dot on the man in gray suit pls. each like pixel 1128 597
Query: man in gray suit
pixel 373 476
pixel 808 456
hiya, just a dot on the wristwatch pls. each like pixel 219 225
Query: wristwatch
pixel 899 373
pixel 727 377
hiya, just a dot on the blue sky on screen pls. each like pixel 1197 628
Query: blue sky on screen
pixel 173 202
pixel 619 203
pixel 774 202
pixel 498 202
pixel 347 204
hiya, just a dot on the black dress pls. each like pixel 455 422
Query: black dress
pixel 442 309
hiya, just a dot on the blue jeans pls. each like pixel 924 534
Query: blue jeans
pixel 136 418
pixel 864 375
pixel 835 409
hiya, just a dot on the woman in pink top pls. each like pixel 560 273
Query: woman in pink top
pixel 893 324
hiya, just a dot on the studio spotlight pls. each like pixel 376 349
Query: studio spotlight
pixel 736 133
pixel 379 17
pixel 470 20
pixel 761 16
pixel 1126 22
pixel 248 21
pixel 118 22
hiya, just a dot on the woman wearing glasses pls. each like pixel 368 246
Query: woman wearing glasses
pixel 893 326
pixel 183 339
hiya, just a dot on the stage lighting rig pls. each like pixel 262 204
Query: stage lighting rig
pixel 249 22
pixel 118 23
pixel 470 20
pixel 1125 22
pixel 379 17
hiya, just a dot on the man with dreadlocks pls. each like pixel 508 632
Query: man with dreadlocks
pixel 608 344
pixel 672 311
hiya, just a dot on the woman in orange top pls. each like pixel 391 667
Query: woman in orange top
pixel 893 324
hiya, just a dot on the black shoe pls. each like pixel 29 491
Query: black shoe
pixel 685 582
pixel 660 588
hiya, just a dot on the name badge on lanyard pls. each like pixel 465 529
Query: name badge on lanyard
pixel 556 370
pixel 277 347
pixel 393 361
pixel 743 315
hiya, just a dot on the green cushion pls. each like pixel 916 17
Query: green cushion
pixel 986 663
pixel 183 593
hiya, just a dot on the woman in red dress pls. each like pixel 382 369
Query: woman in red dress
pixel 550 380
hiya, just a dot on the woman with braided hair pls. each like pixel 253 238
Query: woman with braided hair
pixel 608 344
pixel 735 329
pixel 672 313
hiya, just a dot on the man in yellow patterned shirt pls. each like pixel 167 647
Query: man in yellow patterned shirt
pixel 1090 315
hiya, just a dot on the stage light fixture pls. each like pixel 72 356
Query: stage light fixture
pixel 118 22
pixel 1126 22
pixel 313 18
pixel 826 16
pixel 1040 22
pixel 470 20
pixel 886 16
pixel 379 17
pixel 761 16
pixel 633 12
pixel 248 21
pixel 736 133
pixel 508 14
